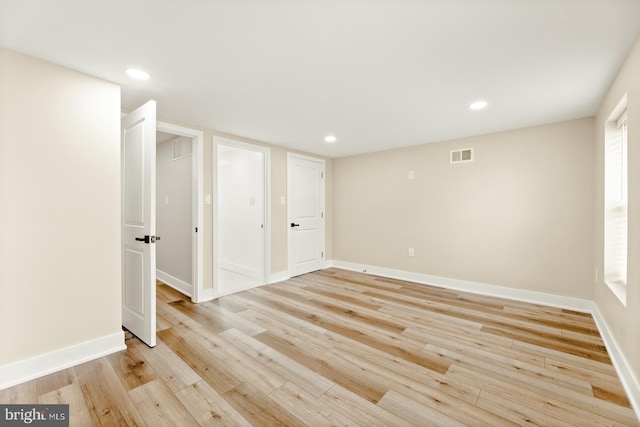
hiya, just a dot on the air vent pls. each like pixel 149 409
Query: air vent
pixel 182 147
pixel 461 156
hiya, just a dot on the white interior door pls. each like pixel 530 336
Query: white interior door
pixel 138 151
pixel 305 190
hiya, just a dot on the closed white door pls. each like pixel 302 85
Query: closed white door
pixel 138 151
pixel 305 191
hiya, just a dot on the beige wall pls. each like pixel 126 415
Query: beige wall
pixel 59 207
pixel 624 322
pixel 520 215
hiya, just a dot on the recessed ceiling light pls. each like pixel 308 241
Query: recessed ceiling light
pixel 478 105
pixel 138 74
pixel 330 138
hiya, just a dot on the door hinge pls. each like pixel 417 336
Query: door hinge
pixel 321 214
pixel 322 254
pixel 321 174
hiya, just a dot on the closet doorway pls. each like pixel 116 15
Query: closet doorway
pixel 179 208
pixel 241 230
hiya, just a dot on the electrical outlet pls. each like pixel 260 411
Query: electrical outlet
pixel 411 252
pixel 411 176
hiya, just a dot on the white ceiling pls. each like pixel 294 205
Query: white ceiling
pixel 378 74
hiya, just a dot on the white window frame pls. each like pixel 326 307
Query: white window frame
pixel 616 202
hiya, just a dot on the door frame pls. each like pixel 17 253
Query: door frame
pixel 197 208
pixel 266 151
pixel 290 259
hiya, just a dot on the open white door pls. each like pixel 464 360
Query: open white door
pixel 305 191
pixel 138 151
pixel 241 231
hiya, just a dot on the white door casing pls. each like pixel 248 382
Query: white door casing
pixel 198 294
pixel 138 169
pixel 305 214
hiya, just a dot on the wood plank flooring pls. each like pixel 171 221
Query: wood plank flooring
pixel 342 348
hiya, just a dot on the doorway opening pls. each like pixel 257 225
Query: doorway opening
pixel 241 230
pixel 179 209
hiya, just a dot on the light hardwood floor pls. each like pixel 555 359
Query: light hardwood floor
pixel 344 348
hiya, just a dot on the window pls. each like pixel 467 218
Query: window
pixel 615 201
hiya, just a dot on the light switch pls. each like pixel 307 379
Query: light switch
pixel 412 176
pixel 207 199
pixel 283 201
pixel 166 200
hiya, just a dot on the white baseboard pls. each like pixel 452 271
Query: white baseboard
pixel 175 283
pixel 280 276
pixel 47 363
pixel 620 364
pixel 625 374
pixel 577 304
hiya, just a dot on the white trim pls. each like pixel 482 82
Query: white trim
pixel 629 383
pixel 577 304
pixel 266 151
pixel 619 110
pixel 207 295
pixel 57 360
pixel 197 220
pixel 280 276
pixel 305 157
pixel 175 283
pixel 622 367
pixel 623 119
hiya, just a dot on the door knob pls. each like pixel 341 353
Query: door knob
pixel 148 239
pixel 294 225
